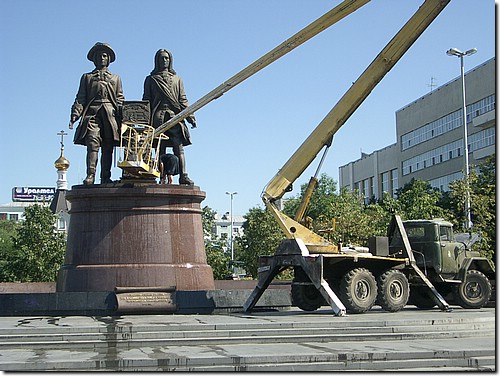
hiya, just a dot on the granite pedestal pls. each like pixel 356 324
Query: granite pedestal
pixel 135 235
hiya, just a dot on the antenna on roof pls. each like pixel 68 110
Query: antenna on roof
pixel 432 85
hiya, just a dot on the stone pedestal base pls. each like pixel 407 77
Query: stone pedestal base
pixel 123 235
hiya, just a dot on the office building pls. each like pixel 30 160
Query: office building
pixel 430 138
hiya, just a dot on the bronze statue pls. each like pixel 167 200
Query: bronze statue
pixel 164 90
pixel 98 103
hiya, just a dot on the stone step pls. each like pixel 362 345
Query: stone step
pixel 134 338
pixel 148 333
pixel 195 341
pixel 79 324
pixel 160 323
pixel 229 359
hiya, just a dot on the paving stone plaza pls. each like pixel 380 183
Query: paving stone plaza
pixel 289 340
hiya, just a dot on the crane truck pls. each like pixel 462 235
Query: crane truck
pixel 349 280
pixel 353 281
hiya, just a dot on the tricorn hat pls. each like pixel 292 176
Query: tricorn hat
pixel 101 46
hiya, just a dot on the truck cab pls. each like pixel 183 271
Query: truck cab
pixel 435 247
pixel 448 263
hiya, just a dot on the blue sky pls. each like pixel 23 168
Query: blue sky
pixel 244 137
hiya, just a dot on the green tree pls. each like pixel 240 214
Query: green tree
pixel 482 188
pixel 341 217
pixel 216 248
pixel 218 258
pixel 208 221
pixel 355 221
pixel 419 200
pixel 39 248
pixel 8 230
pixel 262 236
pixel 323 195
pixel 483 206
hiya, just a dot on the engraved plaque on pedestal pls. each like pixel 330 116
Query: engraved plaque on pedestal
pixel 141 299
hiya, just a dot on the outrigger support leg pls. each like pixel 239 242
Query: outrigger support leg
pixel 293 252
pixel 313 267
pixel 440 301
pixel 266 276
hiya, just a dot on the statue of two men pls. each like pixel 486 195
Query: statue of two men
pixel 100 98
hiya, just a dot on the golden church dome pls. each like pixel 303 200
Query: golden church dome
pixel 61 164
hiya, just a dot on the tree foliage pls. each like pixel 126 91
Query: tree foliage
pixel 218 258
pixel 38 249
pixel 321 199
pixel 215 247
pixel 262 236
pixel 341 218
pixel 419 200
pixel 8 230
pixel 482 187
pixel 353 224
pixel 483 203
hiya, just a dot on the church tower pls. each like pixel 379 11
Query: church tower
pixel 59 205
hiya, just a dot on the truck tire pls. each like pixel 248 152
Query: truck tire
pixel 420 297
pixel 358 290
pixel 474 291
pixel 393 290
pixel 307 297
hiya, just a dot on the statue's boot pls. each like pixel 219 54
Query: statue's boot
pixel 106 161
pixel 183 176
pixel 92 155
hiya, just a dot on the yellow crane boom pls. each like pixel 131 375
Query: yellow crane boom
pixel 337 117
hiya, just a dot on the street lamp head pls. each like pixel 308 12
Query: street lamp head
pixel 454 52
pixel 472 51
pixel 457 52
pixel 231 193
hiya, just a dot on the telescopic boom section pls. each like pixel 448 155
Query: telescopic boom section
pixel 352 99
pixel 328 19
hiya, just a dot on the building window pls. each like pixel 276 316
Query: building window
pixel 447 123
pixel 3 216
pixel 358 188
pixel 482 139
pixel 481 107
pixel 394 182
pixel 443 182
pixel 385 182
pixel 445 153
pixel 366 187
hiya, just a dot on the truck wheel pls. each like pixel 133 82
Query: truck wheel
pixel 358 290
pixel 307 297
pixel 393 290
pixel 419 297
pixel 474 291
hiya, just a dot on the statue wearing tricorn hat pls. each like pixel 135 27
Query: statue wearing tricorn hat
pixel 98 106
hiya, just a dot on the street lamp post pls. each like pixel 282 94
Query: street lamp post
pixel 460 54
pixel 231 235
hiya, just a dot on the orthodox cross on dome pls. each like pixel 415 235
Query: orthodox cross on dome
pixel 62 134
